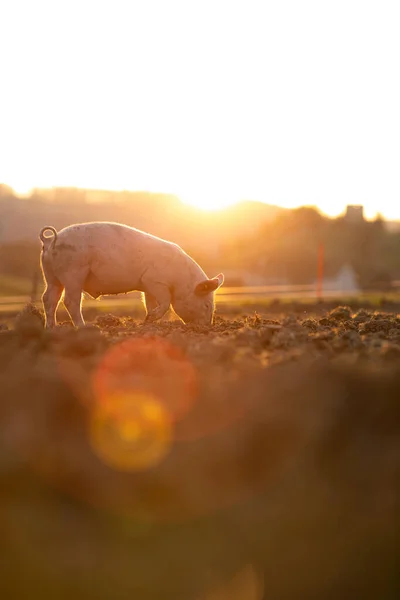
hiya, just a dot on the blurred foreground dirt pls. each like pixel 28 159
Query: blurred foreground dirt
pixel 257 459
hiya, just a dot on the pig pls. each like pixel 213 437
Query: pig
pixel 105 258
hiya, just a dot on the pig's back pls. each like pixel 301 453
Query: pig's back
pixel 115 255
pixel 108 235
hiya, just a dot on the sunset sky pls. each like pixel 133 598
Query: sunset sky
pixel 288 102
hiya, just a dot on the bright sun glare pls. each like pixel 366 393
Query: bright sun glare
pixel 288 103
pixel 207 203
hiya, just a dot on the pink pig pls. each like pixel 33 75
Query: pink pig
pixel 109 258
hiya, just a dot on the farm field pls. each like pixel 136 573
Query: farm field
pixel 257 458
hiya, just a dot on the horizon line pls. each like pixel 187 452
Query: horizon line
pixel 27 193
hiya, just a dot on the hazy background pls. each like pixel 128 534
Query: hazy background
pixel 253 243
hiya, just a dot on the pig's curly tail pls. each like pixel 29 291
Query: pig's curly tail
pixel 45 238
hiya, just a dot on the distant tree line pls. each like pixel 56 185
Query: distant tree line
pixel 287 247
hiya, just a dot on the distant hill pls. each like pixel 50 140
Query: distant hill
pixel 160 214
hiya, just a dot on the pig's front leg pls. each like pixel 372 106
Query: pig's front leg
pixel 158 301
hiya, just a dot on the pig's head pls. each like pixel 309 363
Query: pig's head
pixel 197 305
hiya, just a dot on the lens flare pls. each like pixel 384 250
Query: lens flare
pixel 130 432
pixel 141 387
pixel 150 366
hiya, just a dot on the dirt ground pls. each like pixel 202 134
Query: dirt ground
pixel 257 458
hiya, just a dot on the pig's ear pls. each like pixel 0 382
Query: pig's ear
pixel 209 285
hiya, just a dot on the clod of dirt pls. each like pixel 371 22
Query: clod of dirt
pixel 323 345
pixel 253 320
pixel 81 342
pixel 267 334
pixel 323 335
pixel 376 325
pixel 394 335
pixel 285 339
pixel 196 328
pixel 341 313
pixel 108 320
pixel 327 322
pixel 361 316
pixel 349 340
pixel 247 336
pixel 30 321
pixel 64 325
pixel 352 338
pixel 311 324
pixel 349 325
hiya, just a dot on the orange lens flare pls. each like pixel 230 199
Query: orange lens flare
pixel 149 366
pixel 141 388
pixel 130 432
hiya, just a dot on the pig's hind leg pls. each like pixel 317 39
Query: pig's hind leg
pixel 73 296
pixel 51 296
pixel 51 299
